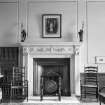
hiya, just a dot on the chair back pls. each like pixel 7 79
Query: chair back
pixel 18 76
pixel 91 75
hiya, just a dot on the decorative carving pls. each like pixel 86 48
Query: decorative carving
pixel 76 50
pixel 31 49
pixel 52 49
pixel 25 50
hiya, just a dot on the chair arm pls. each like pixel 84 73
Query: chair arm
pixel 19 83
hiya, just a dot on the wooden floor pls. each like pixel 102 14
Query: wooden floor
pixel 50 104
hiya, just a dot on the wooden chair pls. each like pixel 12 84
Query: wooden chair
pixel 90 85
pixel 19 85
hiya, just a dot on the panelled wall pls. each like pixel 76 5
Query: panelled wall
pixel 68 11
pixel 8 22
pixel 13 13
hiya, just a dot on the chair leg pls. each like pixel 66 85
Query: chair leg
pixel 81 93
pixel 41 97
pixel 100 102
pixel 59 97
pixel 11 94
pixel 27 93
pixel 85 92
pixel 97 94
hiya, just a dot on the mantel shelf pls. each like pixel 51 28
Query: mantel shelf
pixel 51 43
pixel 26 44
pixel 9 44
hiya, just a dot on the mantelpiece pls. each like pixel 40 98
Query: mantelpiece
pixel 50 43
pixel 52 47
pixel 53 50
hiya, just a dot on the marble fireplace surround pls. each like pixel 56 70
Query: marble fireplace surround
pixel 54 50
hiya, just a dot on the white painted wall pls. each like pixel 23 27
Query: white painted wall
pixel 8 1
pixel 96 31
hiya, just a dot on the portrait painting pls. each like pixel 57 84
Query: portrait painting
pixel 51 25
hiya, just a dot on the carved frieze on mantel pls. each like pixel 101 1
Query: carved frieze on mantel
pixel 48 49
pixel 58 48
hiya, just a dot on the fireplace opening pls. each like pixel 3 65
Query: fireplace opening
pixel 51 66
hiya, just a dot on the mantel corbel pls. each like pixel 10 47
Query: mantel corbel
pixel 76 50
pixel 25 51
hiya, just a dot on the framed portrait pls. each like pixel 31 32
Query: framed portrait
pixel 51 25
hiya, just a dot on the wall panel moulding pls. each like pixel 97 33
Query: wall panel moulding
pixel 95 0
pixel 8 1
pixel 51 0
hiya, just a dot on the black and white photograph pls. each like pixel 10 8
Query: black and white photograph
pixel 52 52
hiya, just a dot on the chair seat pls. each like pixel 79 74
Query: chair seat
pixel 102 94
pixel 101 97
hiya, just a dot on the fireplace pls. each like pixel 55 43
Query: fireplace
pixel 63 58
pixel 52 66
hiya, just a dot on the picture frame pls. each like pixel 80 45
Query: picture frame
pixel 100 59
pixel 51 25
